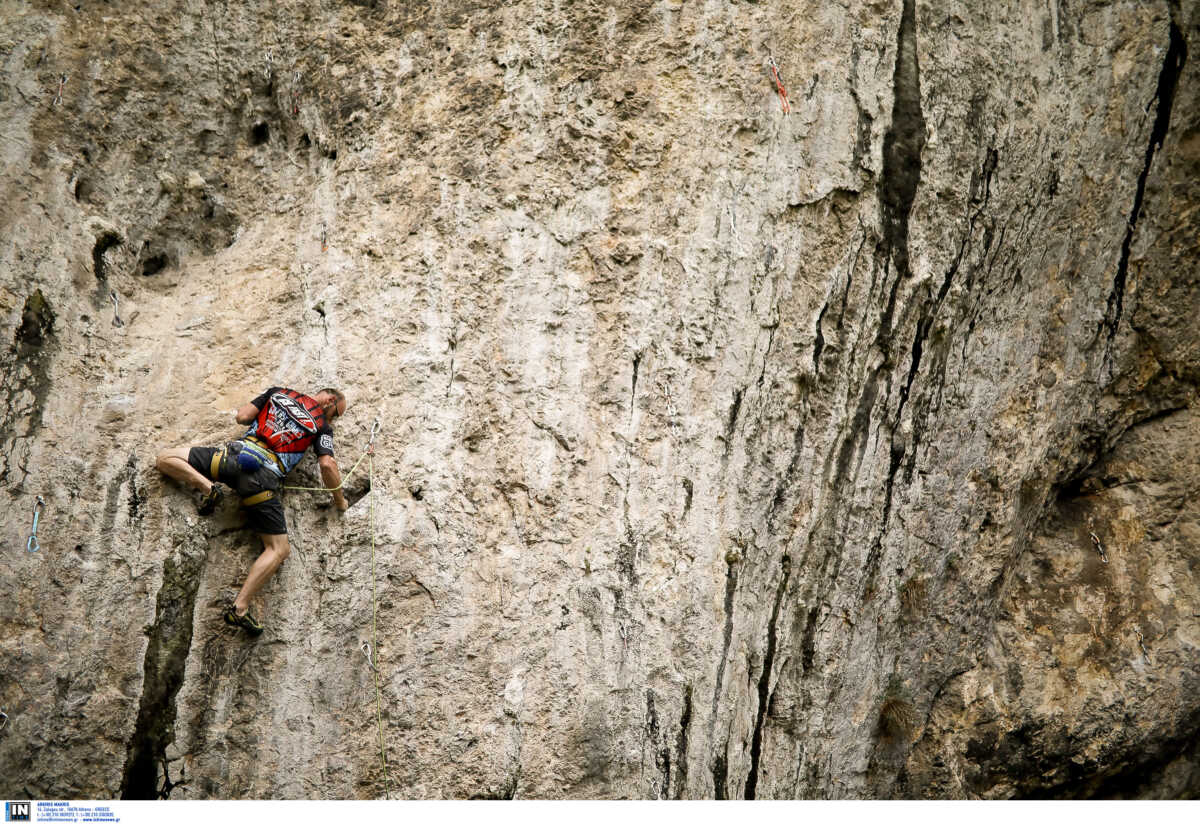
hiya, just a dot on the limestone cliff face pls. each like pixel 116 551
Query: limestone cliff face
pixel 725 452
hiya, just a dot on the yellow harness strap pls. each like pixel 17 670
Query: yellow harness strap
pixel 214 468
pixel 261 497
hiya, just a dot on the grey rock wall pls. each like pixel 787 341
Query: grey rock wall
pixel 725 452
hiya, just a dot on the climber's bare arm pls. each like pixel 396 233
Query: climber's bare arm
pixel 331 477
pixel 247 413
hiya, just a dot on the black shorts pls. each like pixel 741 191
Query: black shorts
pixel 265 518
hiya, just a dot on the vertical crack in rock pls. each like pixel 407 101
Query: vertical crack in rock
pixel 681 743
pixel 1168 80
pixel 903 142
pixel 730 587
pixel 166 656
pixel 719 774
pixel 734 409
pixel 637 361
pixel 764 682
pixel 659 747
pixel 719 762
pixel 819 343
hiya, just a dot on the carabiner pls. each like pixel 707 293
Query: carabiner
pixel 32 544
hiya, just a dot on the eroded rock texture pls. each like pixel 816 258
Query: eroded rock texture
pixel 725 452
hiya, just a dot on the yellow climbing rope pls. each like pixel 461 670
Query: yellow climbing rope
pixel 368 456
pixel 387 786
pixel 329 488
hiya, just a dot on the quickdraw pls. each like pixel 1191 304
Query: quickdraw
pixel 1141 643
pixel 365 649
pixel 116 310
pixel 374 432
pixel 1099 548
pixel 783 98
pixel 3 719
pixel 295 93
pixel 62 81
pixel 32 544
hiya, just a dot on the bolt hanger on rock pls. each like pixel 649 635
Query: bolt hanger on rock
pixel 32 544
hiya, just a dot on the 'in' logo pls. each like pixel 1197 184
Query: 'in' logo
pixel 16 811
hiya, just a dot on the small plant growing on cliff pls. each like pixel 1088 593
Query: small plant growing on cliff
pixel 912 596
pixel 897 716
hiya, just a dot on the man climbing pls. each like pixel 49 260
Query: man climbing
pixel 283 425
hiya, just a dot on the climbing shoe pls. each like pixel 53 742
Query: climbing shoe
pixel 208 503
pixel 246 622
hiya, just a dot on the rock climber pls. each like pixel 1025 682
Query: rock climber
pixel 283 424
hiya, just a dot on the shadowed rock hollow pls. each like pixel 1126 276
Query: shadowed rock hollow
pixel 725 452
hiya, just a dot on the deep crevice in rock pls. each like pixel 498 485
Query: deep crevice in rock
pixel 764 682
pixel 681 743
pixel 166 657
pixel 903 142
pixel 1168 80
pixel 104 242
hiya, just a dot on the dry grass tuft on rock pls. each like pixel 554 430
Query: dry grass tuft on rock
pixel 897 716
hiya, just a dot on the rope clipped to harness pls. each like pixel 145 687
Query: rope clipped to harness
pixel 370 447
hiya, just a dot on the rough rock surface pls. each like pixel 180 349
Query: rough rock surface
pixel 725 452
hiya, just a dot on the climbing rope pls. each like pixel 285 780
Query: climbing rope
pixel 366 452
pixel 345 480
pixel 387 785
pixel 371 650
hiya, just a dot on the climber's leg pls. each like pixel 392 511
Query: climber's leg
pixel 275 551
pixel 179 463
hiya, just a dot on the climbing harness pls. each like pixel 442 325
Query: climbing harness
pixel 1098 546
pixel 783 98
pixel 32 544
pixel 116 310
pixel 62 81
